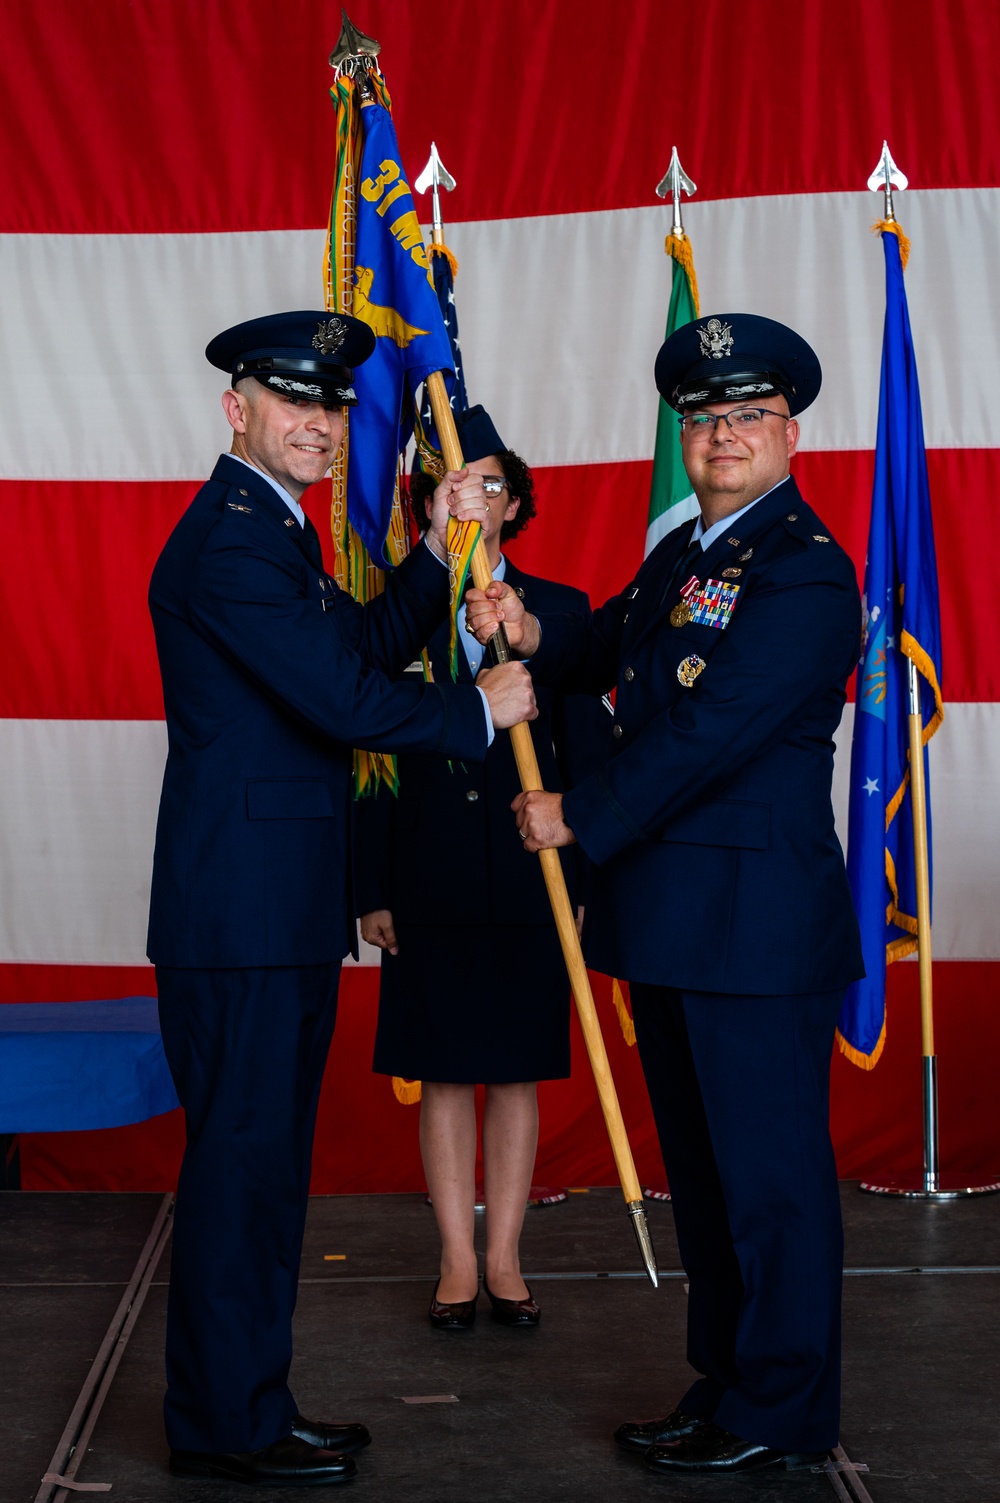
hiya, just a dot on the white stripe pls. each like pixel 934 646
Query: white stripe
pixel 78 805
pixel 103 375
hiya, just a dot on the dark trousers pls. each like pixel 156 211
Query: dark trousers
pixel 246 1049
pixel 740 1092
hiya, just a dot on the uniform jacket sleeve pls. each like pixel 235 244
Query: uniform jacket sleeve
pixel 330 667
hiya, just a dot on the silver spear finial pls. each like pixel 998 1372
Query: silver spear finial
pixel 352 44
pixel 676 181
pixel 435 176
pixel 886 177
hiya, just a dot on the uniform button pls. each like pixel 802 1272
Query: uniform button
pixel 629 675
pixel 472 795
pixel 616 731
pixel 793 516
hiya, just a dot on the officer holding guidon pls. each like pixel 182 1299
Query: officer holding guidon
pixel 719 887
pixel 271 675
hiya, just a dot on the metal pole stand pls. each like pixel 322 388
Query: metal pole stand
pixel 932 1184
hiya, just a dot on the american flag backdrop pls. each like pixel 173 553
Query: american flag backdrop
pixel 167 171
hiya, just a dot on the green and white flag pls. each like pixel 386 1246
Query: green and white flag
pixel 671 500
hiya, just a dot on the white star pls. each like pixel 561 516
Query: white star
pixel 451 294
pixel 871 785
pixel 457 342
pixel 890 641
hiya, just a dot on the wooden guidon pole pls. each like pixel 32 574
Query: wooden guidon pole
pixel 555 882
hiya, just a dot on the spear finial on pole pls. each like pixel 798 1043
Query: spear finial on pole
pixel 352 44
pixel 436 176
pixel 886 177
pixel 676 181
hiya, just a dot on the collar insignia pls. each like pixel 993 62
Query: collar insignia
pixel 716 339
pixel 329 336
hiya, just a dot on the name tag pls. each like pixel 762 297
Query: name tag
pixel 712 604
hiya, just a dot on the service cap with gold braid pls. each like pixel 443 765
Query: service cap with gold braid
pixel 737 357
pixel 304 354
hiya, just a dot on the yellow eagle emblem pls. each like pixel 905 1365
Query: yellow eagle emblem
pixel 383 322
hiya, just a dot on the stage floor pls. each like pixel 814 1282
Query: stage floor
pixel 535 1409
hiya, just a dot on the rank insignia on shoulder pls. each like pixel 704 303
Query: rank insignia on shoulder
pixel 820 537
pixel 731 573
pixel 713 604
pixel 235 506
pixel 688 670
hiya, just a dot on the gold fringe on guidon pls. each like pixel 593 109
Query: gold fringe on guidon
pixel 624 1016
pixel 893 227
pixel 407 1092
pixel 679 246
pixel 863 1061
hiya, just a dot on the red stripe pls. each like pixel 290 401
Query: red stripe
pixel 367 1142
pixel 76 559
pixel 135 116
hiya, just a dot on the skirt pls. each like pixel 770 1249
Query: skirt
pixel 474 1006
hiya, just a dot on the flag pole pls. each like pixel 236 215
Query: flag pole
pixel 531 780
pixel 555 882
pixel 931 1184
pixel 358 52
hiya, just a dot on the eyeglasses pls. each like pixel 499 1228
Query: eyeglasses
pixel 493 484
pixel 703 424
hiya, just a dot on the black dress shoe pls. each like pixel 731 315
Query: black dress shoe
pixel 291 1462
pixel 513 1312
pixel 639 1435
pixel 329 1436
pixel 458 1316
pixel 713 1450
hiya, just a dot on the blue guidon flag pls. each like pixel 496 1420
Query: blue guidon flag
pixel 902 622
pixel 394 294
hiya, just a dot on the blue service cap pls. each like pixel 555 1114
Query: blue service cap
pixel 733 357
pixel 306 354
pixel 477 435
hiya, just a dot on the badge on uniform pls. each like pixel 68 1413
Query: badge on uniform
pixel 688 670
pixel 712 605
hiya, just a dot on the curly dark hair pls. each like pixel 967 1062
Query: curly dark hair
pixel 520 485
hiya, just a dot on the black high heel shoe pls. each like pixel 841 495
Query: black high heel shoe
pixel 458 1316
pixel 512 1312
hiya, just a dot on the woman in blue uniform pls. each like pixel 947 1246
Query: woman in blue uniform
pixel 473 987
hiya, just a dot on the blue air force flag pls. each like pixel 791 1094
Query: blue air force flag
pixel 902 625
pixel 394 295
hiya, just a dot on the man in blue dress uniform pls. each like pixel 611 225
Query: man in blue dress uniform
pixel 271 675
pixel 719 887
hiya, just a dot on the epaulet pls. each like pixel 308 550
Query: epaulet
pixel 242 503
pixel 804 526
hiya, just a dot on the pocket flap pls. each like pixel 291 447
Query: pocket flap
pixel 288 798
pixel 732 822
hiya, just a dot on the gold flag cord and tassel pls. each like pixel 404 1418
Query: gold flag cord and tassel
pixel 353 568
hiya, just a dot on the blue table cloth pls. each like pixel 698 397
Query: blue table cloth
pixel 65 1066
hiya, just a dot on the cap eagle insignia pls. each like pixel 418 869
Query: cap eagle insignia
pixel 716 339
pixel 330 335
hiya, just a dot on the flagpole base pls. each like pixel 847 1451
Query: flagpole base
pixel 918 1186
